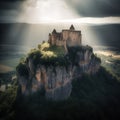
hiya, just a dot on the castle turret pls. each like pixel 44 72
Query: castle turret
pixel 54 31
pixel 68 37
pixel 50 38
pixel 72 27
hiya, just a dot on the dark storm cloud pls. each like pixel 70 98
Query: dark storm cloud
pixel 10 0
pixel 96 8
pixel 13 4
pixel 87 8
pixel 9 9
pixel 10 4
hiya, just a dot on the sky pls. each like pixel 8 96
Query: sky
pixel 54 11
pixel 99 20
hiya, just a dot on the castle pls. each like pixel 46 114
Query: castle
pixel 54 76
pixel 68 37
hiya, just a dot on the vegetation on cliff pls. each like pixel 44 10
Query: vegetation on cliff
pixel 7 102
pixel 46 55
pixel 92 97
pixel 49 55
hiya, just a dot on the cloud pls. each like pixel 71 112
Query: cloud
pixel 13 18
pixel 48 10
pixel 51 11
pixel 94 20
pixel 96 8
pixel 10 16
pixel 10 4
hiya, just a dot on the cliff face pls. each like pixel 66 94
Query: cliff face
pixel 83 60
pixel 56 79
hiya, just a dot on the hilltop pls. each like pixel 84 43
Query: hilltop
pixel 51 67
pixel 53 83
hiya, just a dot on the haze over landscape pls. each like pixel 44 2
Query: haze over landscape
pixel 26 23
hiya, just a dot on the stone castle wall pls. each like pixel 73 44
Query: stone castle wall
pixel 69 37
pixel 72 38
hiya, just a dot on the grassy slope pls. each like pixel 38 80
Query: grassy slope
pixel 51 51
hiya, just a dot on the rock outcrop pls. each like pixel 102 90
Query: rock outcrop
pixel 55 80
pixel 51 69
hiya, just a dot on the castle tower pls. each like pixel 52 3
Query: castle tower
pixel 54 31
pixel 72 27
pixel 50 37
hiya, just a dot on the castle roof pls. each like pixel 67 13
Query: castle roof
pixel 54 31
pixel 72 27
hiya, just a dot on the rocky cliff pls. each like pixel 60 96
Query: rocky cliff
pixel 53 73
